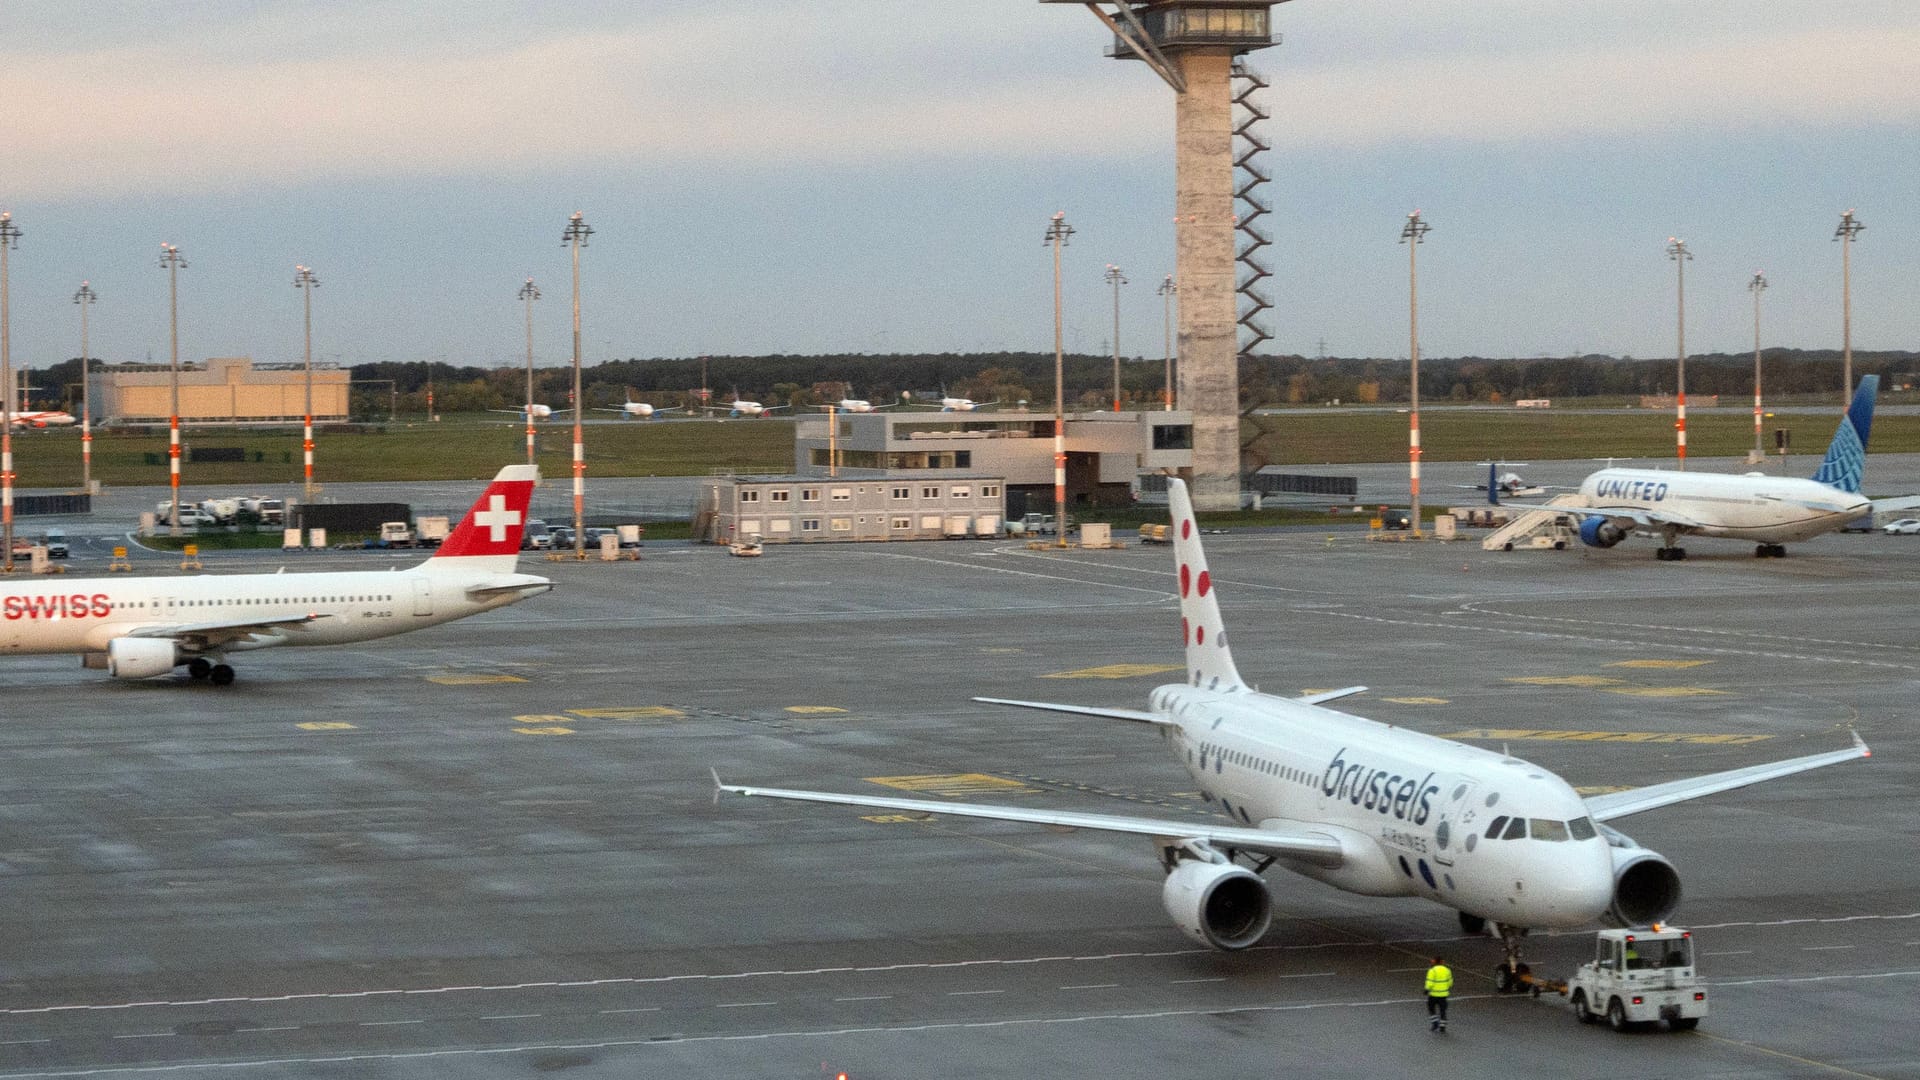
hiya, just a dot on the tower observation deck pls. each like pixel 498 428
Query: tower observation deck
pixel 1191 45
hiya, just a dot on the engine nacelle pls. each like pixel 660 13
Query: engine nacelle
pixel 1601 533
pixel 140 658
pixel 1646 887
pixel 1219 905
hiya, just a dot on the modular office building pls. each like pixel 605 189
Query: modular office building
pixel 807 509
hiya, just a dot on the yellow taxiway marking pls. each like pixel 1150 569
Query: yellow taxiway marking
pixel 952 785
pixel 1663 691
pixel 1661 663
pixel 1534 735
pixel 893 819
pixel 1114 671
pixel 1565 680
pixel 631 712
pixel 1417 700
pixel 814 710
pixel 473 680
pixel 325 725
pixel 1602 789
pixel 1000 649
pixel 550 729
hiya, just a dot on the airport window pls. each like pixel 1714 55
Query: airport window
pixel 961 493
pixel 989 491
pixel 1582 828
pixel 903 523
pixel 749 496
pixel 808 525
pixel 1173 436
pixel 809 494
pixel 842 494
pixel 779 495
pixel 929 492
pixel 1547 829
pixel 842 524
pixel 963 459
pixel 903 493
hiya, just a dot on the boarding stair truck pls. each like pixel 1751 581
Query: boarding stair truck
pixel 1636 977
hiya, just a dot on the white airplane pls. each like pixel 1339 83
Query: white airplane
pixel 529 411
pixel 1508 483
pixel 1769 510
pixel 639 410
pixel 139 627
pixel 1363 806
pixel 738 407
pixel 856 405
pixel 51 418
pixel 954 404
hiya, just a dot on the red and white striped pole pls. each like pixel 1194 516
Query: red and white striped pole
pixel 9 239
pixel 576 238
pixel 529 293
pixel 1413 234
pixel 1757 285
pixel 85 298
pixel 304 280
pixel 171 261
pixel 1057 234
pixel 1677 251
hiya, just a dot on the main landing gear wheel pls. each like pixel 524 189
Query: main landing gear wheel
pixel 199 667
pixel 1770 551
pixel 1671 554
pixel 221 675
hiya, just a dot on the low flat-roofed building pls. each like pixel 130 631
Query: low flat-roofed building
pixel 1106 451
pixel 223 390
pixel 809 509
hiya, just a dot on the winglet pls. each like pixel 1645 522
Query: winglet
pixel 1860 744
pixel 718 787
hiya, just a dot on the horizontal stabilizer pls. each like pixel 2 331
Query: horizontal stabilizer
pixel 1135 715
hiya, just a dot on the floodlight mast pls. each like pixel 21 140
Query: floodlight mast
pixel 1413 234
pixel 1677 251
pixel 1116 278
pixel 1190 45
pixel 1849 228
pixel 529 293
pixel 172 262
pixel 1167 290
pixel 1757 285
pixel 304 280
pixel 575 237
pixel 9 241
pixel 1057 233
pixel 85 298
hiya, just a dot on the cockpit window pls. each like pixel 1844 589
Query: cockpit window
pixel 1582 828
pixel 1493 830
pixel 1516 829
pixel 1548 829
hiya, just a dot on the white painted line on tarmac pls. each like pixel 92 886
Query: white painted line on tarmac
pixel 616 1012
pixel 148 1035
pixel 512 1016
pixel 1825 948
pixel 1091 986
pixel 1183 982
pixel 1729 952
pixel 973 993
pixel 391 1023
pixel 745 1004
pixel 869 997
pixel 251 1030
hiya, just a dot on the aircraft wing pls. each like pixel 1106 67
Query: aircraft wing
pixel 1300 843
pixel 1619 804
pixel 1136 715
pixel 209 635
pixel 1640 517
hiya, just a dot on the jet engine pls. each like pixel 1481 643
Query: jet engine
pixel 1601 533
pixel 140 658
pixel 1646 887
pixel 1219 905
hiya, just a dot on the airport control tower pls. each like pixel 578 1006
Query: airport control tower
pixel 1191 45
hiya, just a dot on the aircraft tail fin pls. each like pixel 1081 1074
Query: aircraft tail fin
pixel 1209 663
pixel 1493 484
pixel 487 540
pixel 1846 460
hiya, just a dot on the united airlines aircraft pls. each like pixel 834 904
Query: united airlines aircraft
pixel 1360 805
pixel 1771 511
pixel 140 627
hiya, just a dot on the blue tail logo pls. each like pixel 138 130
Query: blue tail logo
pixel 1846 460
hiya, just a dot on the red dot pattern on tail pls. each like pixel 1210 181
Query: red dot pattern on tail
pixel 1200 635
pixel 1186 529
pixel 1206 583
pixel 1186 632
pixel 1186 580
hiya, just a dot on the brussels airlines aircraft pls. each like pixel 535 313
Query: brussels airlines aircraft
pixel 1770 510
pixel 137 628
pixel 1362 806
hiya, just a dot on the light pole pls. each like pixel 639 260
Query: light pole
pixel 1116 279
pixel 1756 286
pixel 1849 228
pixel 171 261
pixel 9 240
pixel 1057 232
pixel 1167 290
pixel 576 238
pixel 1677 251
pixel 529 293
pixel 304 280
pixel 85 298
pixel 1413 234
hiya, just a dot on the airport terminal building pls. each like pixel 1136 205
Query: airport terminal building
pixel 822 509
pixel 1106 451
pixel 223 390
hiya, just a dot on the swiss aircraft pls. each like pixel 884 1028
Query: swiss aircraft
pixel 1362 806
pixel 1769 510
pixel 51 418
pixel 140 627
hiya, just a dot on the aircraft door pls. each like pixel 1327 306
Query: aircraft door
pixel 422 596
pixel 1459 818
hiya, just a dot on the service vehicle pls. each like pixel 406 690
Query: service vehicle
pixel 222 511
pixel 1636 977
pixel 1902 527
pixel 431 529
pixel 56 542
pixel 537 536
pixel 395 534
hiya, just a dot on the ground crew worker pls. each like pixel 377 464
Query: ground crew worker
pixel 1439 985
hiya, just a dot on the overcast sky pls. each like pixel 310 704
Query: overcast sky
pixel 876 175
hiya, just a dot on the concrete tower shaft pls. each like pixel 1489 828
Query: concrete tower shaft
pixel 1204 265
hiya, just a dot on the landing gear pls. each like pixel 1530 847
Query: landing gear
pixel 1472 924
pixel 1770 551
pixel 210 669
pixel 1508 977
pixel 199 667
pixel 1670 554
pixel 221 675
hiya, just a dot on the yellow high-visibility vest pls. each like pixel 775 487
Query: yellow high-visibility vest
pixel 1439 980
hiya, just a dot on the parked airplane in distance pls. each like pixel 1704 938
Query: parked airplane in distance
pixel 1363 806
pixel 139 627
pixel 1770 510
pixel 639 410
pixel 949 403
pixel 739 407
pixel 49 418
pixel 530 412
pixel 856 405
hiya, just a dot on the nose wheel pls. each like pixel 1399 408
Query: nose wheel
pixel 1511 977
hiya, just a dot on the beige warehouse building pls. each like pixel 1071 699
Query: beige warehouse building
pixel 223 390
